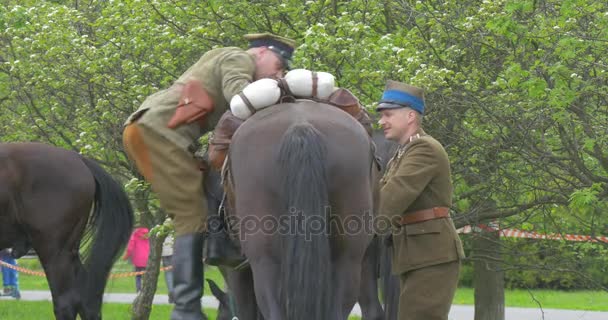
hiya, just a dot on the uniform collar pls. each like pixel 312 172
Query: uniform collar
pixel 417 135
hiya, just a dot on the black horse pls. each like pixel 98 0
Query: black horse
pixel 55 200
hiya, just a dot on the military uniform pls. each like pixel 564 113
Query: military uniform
pixel 159 138
pixel 416 192
pixel 172 170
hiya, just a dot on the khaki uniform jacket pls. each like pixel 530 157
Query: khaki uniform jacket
pixel 418 177
pixel 224 72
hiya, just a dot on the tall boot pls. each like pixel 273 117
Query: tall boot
pixel 188 277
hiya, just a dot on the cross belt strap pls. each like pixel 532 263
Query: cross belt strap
pixel 247 103
pixel 425 215
pixel 315 84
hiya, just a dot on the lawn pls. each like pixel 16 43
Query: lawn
pixel 549 299
pixel 36 310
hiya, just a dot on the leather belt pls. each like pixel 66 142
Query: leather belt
pixel 425 215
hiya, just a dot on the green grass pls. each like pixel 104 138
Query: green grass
pixel 36 310
pixel 550 299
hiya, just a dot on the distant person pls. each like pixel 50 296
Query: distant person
pixel 166 257
pixel 10 277
pixel 138 251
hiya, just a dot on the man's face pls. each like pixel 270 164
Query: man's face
pixel 268 65
pixel 396 122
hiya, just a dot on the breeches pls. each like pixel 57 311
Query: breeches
pixel 427 293
pixel 173 174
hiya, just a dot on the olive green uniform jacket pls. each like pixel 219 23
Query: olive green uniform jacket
pixel 223 72
pixel 173 172
pixel 418 177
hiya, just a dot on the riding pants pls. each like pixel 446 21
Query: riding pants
pixel 174 175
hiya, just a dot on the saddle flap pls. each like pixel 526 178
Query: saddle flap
pixel 343 98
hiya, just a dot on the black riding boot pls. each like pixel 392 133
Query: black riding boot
pixel 188 277
pixel 221 250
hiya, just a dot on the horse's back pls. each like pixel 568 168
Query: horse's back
pixel 44 166
pixel 254 153
pixel 259 137
pixel 326 118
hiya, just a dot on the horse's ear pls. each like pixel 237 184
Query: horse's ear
pixel 220 295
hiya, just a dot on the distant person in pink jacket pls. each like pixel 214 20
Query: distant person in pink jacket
pixel 138 251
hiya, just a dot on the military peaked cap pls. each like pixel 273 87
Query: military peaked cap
pixel 282 46
pixel 401 95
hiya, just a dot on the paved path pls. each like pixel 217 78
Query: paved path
pixel 458 312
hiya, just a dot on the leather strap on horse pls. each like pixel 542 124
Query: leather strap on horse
pixel 315 84
pixel 247 103
pixel 424 215
pixel 285 87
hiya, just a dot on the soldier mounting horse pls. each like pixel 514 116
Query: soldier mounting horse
pixel 54 200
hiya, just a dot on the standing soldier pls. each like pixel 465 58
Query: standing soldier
pixel 161 138
pixel 416 194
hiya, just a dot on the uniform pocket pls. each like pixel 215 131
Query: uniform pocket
pixel 427 227
pixel 428 243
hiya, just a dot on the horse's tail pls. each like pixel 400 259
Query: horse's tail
pixel 108 232
pixel 306 253
pixel 390 283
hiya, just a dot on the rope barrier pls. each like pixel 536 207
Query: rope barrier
pixel 514 233
pixel 42 274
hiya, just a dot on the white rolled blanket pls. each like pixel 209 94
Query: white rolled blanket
pixel 259 94
pixel 262 93
pixel 300 82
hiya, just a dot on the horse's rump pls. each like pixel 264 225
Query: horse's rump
pixel 311 162
pixel 53 200
pixel 33 179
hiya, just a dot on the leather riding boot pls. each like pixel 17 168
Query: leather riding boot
pixel 188 277
pixel 221 249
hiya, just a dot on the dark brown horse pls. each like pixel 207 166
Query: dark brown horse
pixel 376 262
pixel 54 200
pixel 303 179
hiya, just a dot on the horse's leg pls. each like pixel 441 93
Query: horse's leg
pixel 259 248
pixel 267 274
pixel 57 249
pixel 371 309
pixel 352 203
pixel 61 268
pixel 346 273
pixel 241 285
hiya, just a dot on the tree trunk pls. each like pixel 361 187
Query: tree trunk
pixel 488 277
pixel 142 306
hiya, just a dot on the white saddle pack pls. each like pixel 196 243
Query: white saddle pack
pixel 300 83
